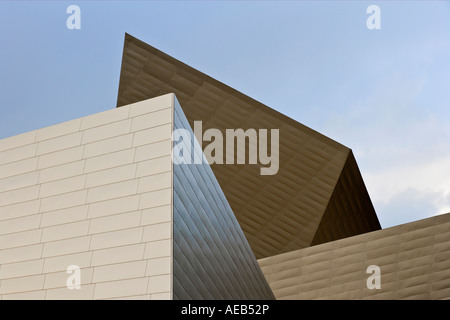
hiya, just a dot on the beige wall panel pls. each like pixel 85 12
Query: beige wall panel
pixel 65 231
pixel 115 222
pixel 58 130
pixel 153 150
pixel 62 171
pixel 157 249
pixel 112 191
pixel 59 143
pixel 152 135
pixel 63 201
pixel 85 293
pixel 119 271
pixel 106 131
pixel 152 105
pixel 156 215
pixel 25 253
pixel 155 182
pixel 158 231
pixel 19 210
pixel 153 166
pixel 108 145
pixel 19 195
pixel 138 297
pixel 20 269
pixel 55 280
pixel 22 284
pixel 159 283
pixel 20 224
pixel 114 206
pixel 155 199
pixel 62 216
pixel 73 194
pixel 116 238
pixel 160 296
pixel 60 157
pixel 109 176
pixel 20 239
pixel 105 117
pixel 152 119
pixel 18 167
pixel 17 154
pixel 109 160
pixel 157 266
pixel 30 295
pixel 61 247
pixel 121 288
pixel 62 186
pixel 60 263
pixel 17 141
pixel 120 254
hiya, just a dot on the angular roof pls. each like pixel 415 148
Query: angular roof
pixel 318 194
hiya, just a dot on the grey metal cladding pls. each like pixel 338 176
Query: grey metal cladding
pixel 212 258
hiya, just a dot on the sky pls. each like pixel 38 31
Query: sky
pixel 384 92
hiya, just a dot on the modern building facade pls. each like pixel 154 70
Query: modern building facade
pixel 103 194
pixel 317 195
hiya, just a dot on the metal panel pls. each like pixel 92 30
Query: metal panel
pixel 212 258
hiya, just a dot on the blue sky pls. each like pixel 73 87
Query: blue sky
pixel 384 93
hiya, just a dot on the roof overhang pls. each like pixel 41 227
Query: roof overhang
pixel 318 194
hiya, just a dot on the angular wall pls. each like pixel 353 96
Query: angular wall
pixel 95 192
pixel 414 262
pixel 212 258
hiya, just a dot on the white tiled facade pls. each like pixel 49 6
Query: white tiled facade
pixel 95 192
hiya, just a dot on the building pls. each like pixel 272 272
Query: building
pixel 102 193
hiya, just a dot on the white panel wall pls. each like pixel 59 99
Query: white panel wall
pixel 94 192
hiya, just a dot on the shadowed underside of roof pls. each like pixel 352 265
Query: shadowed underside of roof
pixel 346 211
pixel 317 195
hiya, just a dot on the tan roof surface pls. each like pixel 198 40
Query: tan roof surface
pixel 278 213
pixel 414 262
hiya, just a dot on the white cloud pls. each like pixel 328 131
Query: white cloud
pixel 410 191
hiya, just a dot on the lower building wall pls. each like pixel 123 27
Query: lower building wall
pixel 95 193
pixel 413 261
